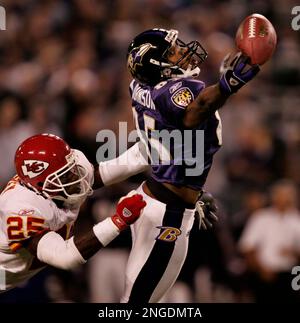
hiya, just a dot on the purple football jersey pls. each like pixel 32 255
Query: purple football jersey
pixel 159 111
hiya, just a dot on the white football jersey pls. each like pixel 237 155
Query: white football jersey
pixel 23 213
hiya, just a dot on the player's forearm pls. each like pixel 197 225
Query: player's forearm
pixel 87 244
pixel 95 239
pixel 53 250
pixel 206 103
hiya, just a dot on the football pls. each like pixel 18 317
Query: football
pixel 256 38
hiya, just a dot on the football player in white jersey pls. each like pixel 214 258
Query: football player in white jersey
pixel 40 204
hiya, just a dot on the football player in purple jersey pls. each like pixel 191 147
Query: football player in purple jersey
pixel 167 96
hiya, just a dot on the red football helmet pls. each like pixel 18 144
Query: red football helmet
pixel 49 166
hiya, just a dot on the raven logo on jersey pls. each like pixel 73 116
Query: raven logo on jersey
pixel 183 97
pixel 33 168
pixel 169 234
pixel 136 55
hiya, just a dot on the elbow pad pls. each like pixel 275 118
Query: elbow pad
pixel 55 251
pixel 131 162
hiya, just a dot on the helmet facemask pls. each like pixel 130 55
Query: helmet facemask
pixel 148 57
pixel 194 55
pixel 69 183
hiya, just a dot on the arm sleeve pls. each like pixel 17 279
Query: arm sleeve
pixel 55 251
pixel 131 162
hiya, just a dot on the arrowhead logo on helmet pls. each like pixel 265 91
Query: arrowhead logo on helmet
pixel 33 168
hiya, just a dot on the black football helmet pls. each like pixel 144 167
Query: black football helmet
pixel 147 56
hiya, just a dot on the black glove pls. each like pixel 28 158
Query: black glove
pixel 236 72
pixel 206 211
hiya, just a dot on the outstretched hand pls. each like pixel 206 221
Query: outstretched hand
pixel 236 71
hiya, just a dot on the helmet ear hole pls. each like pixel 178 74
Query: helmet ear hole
pixel 40 184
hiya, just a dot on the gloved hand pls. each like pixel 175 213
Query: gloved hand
pixel 128 211
pixel 236 72
pixel 206 211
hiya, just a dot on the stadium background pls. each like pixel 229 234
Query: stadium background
pixel 63 70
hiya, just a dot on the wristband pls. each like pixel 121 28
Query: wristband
pixel 106 231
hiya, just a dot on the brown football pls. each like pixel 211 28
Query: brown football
pixel 256 38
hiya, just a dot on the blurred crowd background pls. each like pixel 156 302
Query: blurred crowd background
pixel 63 71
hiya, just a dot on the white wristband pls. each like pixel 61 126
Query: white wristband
pixel 106 231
